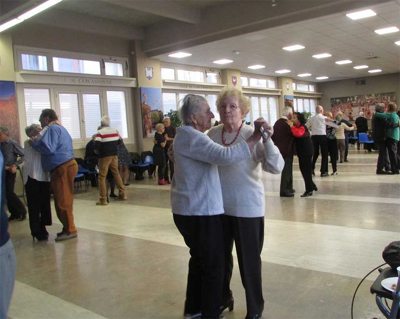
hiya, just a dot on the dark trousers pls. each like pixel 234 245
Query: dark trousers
pixel 305 165
pixel 248 235
pixel 38 196
pixel 346 146
pixel 391 146
pixel 15 206
pixel 333 152
pixel 383 157
pixel 169 169
pixel 204 237
pixel 286 186
pixel 320 142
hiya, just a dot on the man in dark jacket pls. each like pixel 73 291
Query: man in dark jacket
pixel 362 127
pixel 284 140
pixel 106 148
pixel 378 134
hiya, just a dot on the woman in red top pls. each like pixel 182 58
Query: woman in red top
pixel 304 150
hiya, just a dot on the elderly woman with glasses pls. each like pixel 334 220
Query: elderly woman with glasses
pixel 196 201
pixel 243 197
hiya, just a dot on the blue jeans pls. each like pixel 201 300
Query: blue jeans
pixel 7 276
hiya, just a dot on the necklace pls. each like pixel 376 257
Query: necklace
pixel 234 139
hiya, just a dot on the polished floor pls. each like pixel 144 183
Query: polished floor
pixel 129 260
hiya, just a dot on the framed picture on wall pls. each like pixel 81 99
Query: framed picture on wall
pixel 150 100
pixel 9 108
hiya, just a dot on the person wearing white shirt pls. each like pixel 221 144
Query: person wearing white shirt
pixel 37 186
pixel 317 126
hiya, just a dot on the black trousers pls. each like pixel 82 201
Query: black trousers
pixel 320 142
pixel 169 168
pixel 15 206
pixel 391 146
pixel 248 235
pixel 383 157
pixel 333 152
pixel 39 209
pixel 286 186
pixel 204 237
pixel 305 165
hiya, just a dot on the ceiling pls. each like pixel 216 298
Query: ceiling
pixel 246 31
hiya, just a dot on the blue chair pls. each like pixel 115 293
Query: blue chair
pixel 363 138
pixel 141 164
pixel 78 181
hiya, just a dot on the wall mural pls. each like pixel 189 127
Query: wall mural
pixel 351 106
pixel 150 100
pixel 9 108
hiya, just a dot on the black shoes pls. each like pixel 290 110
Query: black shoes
pixel 315 188
pixel 227 305
pixel 324 174
pixel 256 316
pixel 287 194
pixel 383 172
pixel 18 218
pixel 65 236
pixel 307 194
pixel 334 173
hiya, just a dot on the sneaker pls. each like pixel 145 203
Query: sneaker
pixel 101 203
pixel 66 236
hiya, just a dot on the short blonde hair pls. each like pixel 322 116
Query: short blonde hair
pixel 392 107
pixel 244 102
pixel 159 126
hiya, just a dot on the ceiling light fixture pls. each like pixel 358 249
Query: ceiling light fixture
pixel 387 30
pixel 321 55
pixel 223 61
pixel 303 75
pixel 375 71
pixel 256 67
pixel 179 55
pixel 360 67
pixel 28 14
pixel 361 14
pixel 283 71
pixel 293 47
pixel 322 77
pixel 344 62
pixel 397 42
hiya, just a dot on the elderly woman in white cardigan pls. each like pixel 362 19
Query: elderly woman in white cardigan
pixel 196 201
pixel 244 198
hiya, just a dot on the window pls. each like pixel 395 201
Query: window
pixel 69 113
pixel 190 76
pixel 112 68
pixel 76 66
pixel 244 80
pixel 169 102
pixel 117 111
pixel 265 83
pixel 212 77
pixel 167 74
pixel 305 87
pixel 305 105
pixel 258 83
pixel 34 62
pixel 212 99
pixel 266 107
pixel 35 101
pixel 91 113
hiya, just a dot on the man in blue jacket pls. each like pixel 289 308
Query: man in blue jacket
pixel 7 253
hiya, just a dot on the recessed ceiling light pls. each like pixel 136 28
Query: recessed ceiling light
pixel 359 67
pixel 397 42
pixel 375 71
pixel 343 62
pixel 256 67
pixel 303 75
pixel 223 61
pixel 322 55
pixel 361 14
pixel 179 55
pixel 293 47
pixel 322 77
pixel 283 71
pixel 387 30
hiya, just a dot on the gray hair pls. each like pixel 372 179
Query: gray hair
pixel 380 107
pixel 4 130
pixel 190 106
pixel 105 121
pixel 32 129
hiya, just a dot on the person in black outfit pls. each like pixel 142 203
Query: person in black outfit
pixel 169 134
pixel 159 153
pixel 362 127
pixel 304 151
pixel 13 156
pixel 284 140
pixel 379 137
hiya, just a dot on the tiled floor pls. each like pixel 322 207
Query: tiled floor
pixel 129 260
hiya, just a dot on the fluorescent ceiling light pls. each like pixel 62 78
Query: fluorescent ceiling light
pixel 223 61
pixel 397 42
pixel 359 67
pixel 322 55
pixel 256 67
pixel 387 30
pixel 375 71
pixel 322 77
pixel 283 71
pixel 28 14
pixel 293 47
pixel 343 62
pixel 361 14
pixel 179 55
pixel 303 75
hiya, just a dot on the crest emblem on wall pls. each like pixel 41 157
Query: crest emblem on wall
pixel 148 71
pixel 234 80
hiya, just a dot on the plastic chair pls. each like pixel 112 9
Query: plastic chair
pixel 145 163
pixel 363 138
